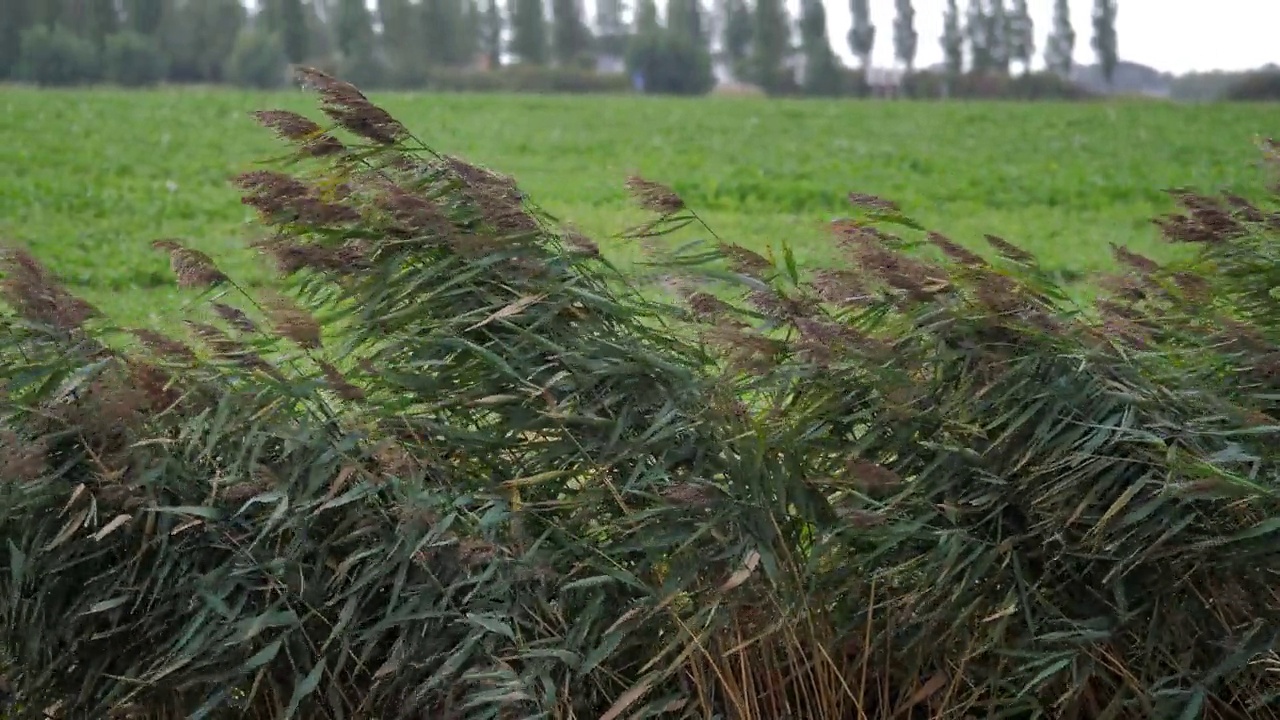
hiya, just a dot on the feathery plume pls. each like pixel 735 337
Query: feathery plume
pixel 654 197
pixel 193 268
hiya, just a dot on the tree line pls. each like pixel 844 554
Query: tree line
pixel 405 43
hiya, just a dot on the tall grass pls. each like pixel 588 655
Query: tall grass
pixel 462 467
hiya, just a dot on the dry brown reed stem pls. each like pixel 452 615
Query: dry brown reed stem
pixel 745 261
pixel 1195 287
pixel 235 317
pixel 309 136
pixel 841 287
pixel 870 476
pixel 290 256
pixel 281 198
pixel 955 251
pixel 580 243
pixel 349 107
pixel 21 460
pixel 654 197
pixel 413 213
pixel 499 202
pixel 706 306
pixel 339 384
pixel 691 494
pixel 1208 220
pixel 483 179
pixel 746 349
pixel 225 348
pixel 154 383
pixel 294 323
pixel 1134 261
pixel 1008 250
pixel 781 306
pixel 193 268
pixel 872 202
pixel 919 280
pixel 34 294
pixel 163 345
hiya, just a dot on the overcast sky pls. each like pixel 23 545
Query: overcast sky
pixel 1171 35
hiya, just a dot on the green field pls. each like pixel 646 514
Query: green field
pixel 91 177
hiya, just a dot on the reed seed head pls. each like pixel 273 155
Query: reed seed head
pixel 227 349
pixel 955 251
pixel 872 202
pixel 745 261
pixel 163 345
pixel 235 317
pixel 294 323
pixel 33 293
pixel 1134 261
pixel 349 107
pixel 291 126
pixel 193 268
pixel 1008 250
pixel 654 197
pixel 339 384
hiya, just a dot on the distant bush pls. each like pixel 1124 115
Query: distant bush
pixel 134 60
pixel 56 56
pixel 1263 85
pixel 670 64
pixel 526 79
pixel 364 68
pixel 1033 86
pixel 257 60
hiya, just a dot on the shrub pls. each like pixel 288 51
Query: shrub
pixel 257 60
pixel 57 56
pixel 1263 85
pixel 1033 86
pixel 461 466
pixel 134 60
pixel 670 64
pixel 363 67
pixel 527 79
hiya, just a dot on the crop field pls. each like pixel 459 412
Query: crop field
pixel 91 177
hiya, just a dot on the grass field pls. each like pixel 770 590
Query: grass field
pixel 91 177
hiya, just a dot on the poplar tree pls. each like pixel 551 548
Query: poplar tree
pixel 400 36
pixel 997 20
pixel 822 72
pixel 529 32
pixel 771 43
pixel 1104 37
pixel 569 33
pixel 491 33
pixel 976 31
pixel 646 20
pixel 736 37
pixel 144 16
pixel 1059 51
pixel 1022 37
pixel 905 37
pixel 611 31
pixel 952 40
pixel 684 19
pixel 862 36
pixel 288 20
pixel 15 17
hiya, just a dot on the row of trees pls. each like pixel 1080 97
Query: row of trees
pixel 996 35
pixel 399 42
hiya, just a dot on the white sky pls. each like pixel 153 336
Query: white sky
pixel 1169 35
